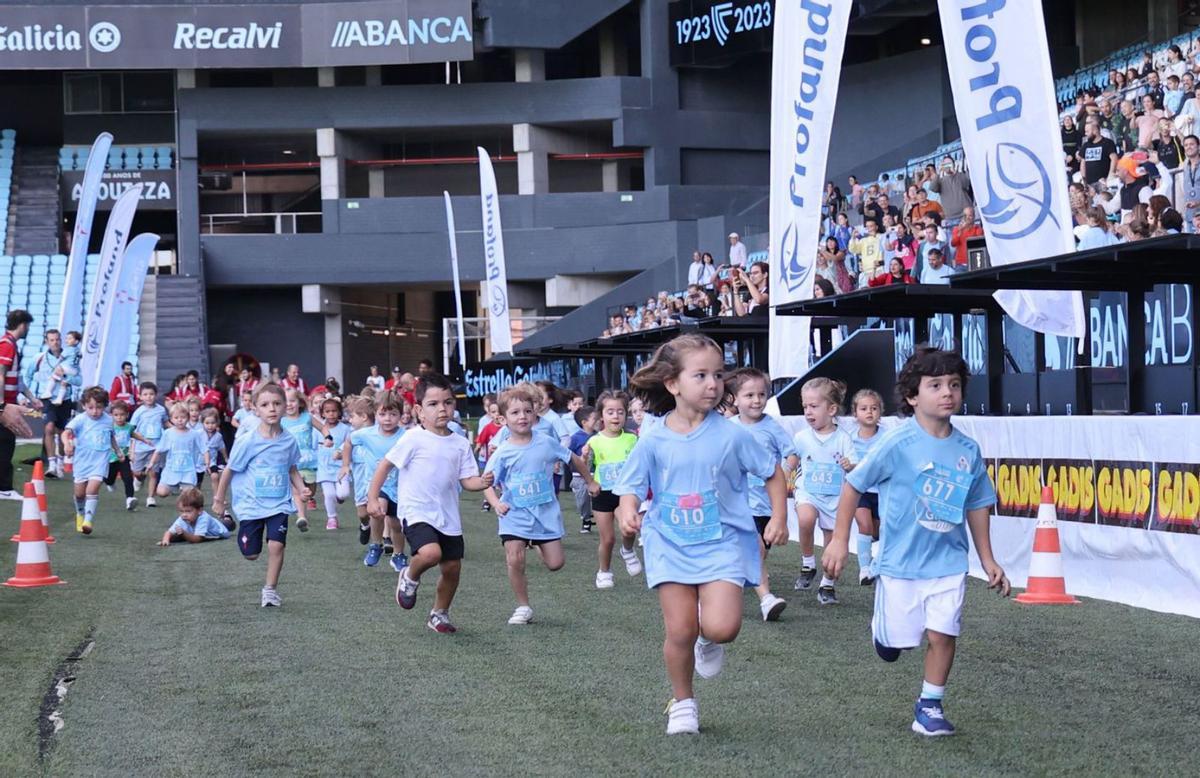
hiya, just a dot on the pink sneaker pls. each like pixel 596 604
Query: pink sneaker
pixel 331 524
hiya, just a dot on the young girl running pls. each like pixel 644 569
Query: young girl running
pixel 214 444
pixel 362 416
pixel 181 451
pixel 298 423
pixel 826 454
pixel 90 440
pixel 868 406
pixel 529 514
pixel 334 488
pixel 750 389
pixel 125 433
pixel 262 470
pixel 701 541
pixel 609 449
pixel 245 420
pixel 367 446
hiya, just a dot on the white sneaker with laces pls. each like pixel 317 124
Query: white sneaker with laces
pixel 710 658
pixel 604 580
pixel 151 502
pixel 683 718
pixel 771 607
pixel 270 598
pixel 633 565
pixel 9 494
pixel 522 615
pixel 130 503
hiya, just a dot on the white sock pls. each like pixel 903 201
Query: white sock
pixel 827 581
pixel 703 641
pixel 931 692
pixel 809 561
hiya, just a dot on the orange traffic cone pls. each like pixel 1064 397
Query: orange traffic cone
pixel 33 556
pixel 39 488
pixel 1046 584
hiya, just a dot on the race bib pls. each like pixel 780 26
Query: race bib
pixel 689 519
pixel 823 478
pixel 942 492
pixel 270 485
pixel 526 490
pixel 608 473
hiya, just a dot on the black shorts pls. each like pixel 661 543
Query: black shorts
pixel 870 501
pixel 421 534
pixel 58 415
pixel 605 502
pixel 393 510
pixel 529 543
pixel 250 533
pixel 761 522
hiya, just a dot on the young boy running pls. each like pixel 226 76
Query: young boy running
pixel 930 477
pixel 432 464
pixel 149 420
pixel 365 448
pixel 90 440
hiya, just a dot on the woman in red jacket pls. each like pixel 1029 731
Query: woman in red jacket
pixel 896 275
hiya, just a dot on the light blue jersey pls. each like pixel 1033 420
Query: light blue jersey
pixel 820 477
pixel 368 446
pixel 213 444
pixel 148 421
pixel 327 466
pixel 926 486
pixel 527 474
pixel 245 420
pixel 181 453
pixel 863 446
pixel 771 435
pixel 205 526
pixel 261 483
pixel 93 445
pixel 301 429
pixel 700 528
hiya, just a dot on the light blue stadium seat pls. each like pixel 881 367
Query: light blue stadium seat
pixel 58 260
pixel 116 158
pixel 41 261
pixel 163 155
pixel 148 157
pixel 8 134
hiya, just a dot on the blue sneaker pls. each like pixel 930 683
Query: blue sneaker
pixel 399 562
pixel 930 720
pixel 374 554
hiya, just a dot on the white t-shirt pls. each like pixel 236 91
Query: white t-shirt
pixel 430 467
pixel 737 254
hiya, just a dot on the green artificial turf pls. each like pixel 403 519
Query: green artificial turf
pixel 189 676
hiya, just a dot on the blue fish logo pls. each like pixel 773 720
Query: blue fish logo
pixel 792 268
pixel 1024 189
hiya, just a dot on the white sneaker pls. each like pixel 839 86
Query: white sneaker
pixel 58 470
pixel 151 502
pixel 137 484
pixel 130 503
pixel 683 718
pixel 604 580
pixel 522 615
pixel 9 494
pixel 633 565
pixel 772 606
pixel 710 658
pixel 270 598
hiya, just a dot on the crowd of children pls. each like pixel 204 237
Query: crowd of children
pixel 688 460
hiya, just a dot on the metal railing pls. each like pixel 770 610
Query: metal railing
pixel 260 223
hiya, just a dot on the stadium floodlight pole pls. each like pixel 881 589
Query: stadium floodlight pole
pixel 462 342
pixel 70 313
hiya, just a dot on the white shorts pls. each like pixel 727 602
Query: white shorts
pixel 906 607
pixel 825 519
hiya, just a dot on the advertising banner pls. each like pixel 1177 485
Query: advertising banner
pixel 100 303
pixel 117 338
pixel 70 316
pixel 158 189
pixel 499 322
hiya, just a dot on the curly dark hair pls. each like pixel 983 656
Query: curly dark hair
pixel 926 361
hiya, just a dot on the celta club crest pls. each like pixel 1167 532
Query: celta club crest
pixel 499 300
pixel 792 268
pixel 1019 196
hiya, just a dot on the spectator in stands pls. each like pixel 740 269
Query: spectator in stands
pixel 1173 96
pixel 1188 120
pixel 910 202
pixel 1135 186
pixel 1195 225
pixel 709 275
pixel 1152 89
pixel 822 288
pixel 696 268
pixel 841 231
pixel 124 387
pixel 1146 68
pixel 1077 196
pixel 1097 154
pixel 374 379
pixel 880 208
pixel 1176 66
pixel 1096 233
pixel 936 271
pixel 902 246
pixel 1147 122
pixel 928 176
pixel 831 263
pixel 856 191
pixel 954 186
pixel 724 299
pixel 925 207
pixel 831 204
pixel 1116 82
pixel 1170 222
pixel 1124 131
pixel 930 244
pixel 1071 138
pixel 963 231
pixel 897 274
pixel 696 303
pixel 737 250
pixel 1167 144
pixel 1189 178
pixel 1105 114
pixel 756 288
pixel 869 249
pixel 1135 230
pixel 292 380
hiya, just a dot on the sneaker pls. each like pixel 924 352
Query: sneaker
pixel 364 534
pixel 270 598
pixel 137 483
pixel 604 580
pixel 865 578
pixel 804 582
pixel 683 718
pixel 487 506
pixel 86 527
pixel 302 524
pixel 9 494
pixel 826 596
pixel 585 528
pixel 439 621
pixel 130 503
pixel 374 552
pixel 771 607
pixel 399 562
pixel 228 521
pixel 633 565
pixel 930 720
pixel 388 548
pixel 151 502
pixel 312 504
pixel 331 523
pixel 710 658
pixel 79 522
pixel 59 471
pixel 406 591
pixel 522 615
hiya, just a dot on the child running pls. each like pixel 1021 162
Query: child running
pixel 365 449
pixel 585 419
pixel 298 423
pixel 194 525
pixel 432 463
pixel 868 407
pixel 262 471
pixel 149 420
pixel 700 538
pixel 334 488
pixel 125 434
pixel 362 415
pixel 609 449
pixel 245 420
pixel 930 477
pixel 825 453
pixel 214 444
pixel 529 514
pixel 750 389
pixel 90 440
pixel 181 451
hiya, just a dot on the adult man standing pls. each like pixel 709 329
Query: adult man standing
pixel 925 207
pixel 965 230
pixel 1097 155
pixel 12 421
pixel 737 250
pixel 50 381
pixel 928 245
pixel 124 386
pixel 1189 180
pixel 292 380
pixel 880 208
pixel 955 189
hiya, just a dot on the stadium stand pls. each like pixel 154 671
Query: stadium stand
pixel 120 158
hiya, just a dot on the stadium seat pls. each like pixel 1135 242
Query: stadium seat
pixel 148 157
pixel 116 158
pixel 7 134
pixel 163 155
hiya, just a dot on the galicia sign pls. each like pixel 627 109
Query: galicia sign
pixel 264 35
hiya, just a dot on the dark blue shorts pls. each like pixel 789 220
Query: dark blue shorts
pixel 250 533
pixel 870 502
pixel 421 534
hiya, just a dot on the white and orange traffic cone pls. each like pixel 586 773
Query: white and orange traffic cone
pixel 33 555
pixel 39 488
pixel 1046 585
